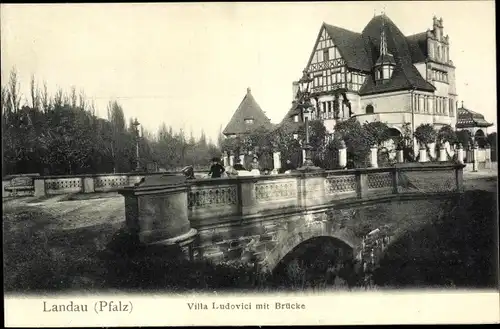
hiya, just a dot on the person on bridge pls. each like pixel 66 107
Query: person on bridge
pixel 216 169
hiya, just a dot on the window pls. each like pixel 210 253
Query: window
pixel 248 121
pixel 320 56
pixel 386 72
pixel 439 52
pixel 369 109
pixel 295 118
pixel 326 55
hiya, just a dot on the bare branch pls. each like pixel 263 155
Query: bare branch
pixel 35 99
pixel 73 97
pixel 82 100
pixel 45 98
pixel 14 88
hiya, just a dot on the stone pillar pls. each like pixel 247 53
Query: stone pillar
pixel 226 160
pixel 475 163
pixel 487 151
pixel 5 193
pixel 88 185
pixel 342 155
pixel 423 154
pixel 39 186
pixel 231 160
pixel 156 212
pixel 242 159
pixel 442 154
pixel 400 156
pixel 374 156
pixel 276 162
pixel 303 156
pixel 460 154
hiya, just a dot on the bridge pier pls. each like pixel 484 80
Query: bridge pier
pixel 156 213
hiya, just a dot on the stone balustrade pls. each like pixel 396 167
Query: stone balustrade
pixel 64 184
pixel 225 198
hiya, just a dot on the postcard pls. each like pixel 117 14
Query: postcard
pixel 271 163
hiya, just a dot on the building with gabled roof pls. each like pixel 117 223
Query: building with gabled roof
pixel 380 74
pixel 248 117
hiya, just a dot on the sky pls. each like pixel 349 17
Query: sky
pixel 189 64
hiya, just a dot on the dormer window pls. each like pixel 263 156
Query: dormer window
pixel 249 121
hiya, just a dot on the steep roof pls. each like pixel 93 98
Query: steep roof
pixel 468 119
pixel 248 109
pixel 351 47
pixel 405 75
pixel 361 51
pixel 418 47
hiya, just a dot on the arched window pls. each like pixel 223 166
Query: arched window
pixel 369 109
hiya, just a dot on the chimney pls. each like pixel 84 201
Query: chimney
pixel 249 90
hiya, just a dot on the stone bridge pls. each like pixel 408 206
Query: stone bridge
pixel 262 219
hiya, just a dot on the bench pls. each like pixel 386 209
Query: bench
pixel 21 185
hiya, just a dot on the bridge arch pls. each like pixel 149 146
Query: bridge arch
pixel 287 241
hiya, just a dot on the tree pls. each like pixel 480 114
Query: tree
pixel 357 140
pixel 425 134
pixel 377 132
pixel 464 137
pixel 35 98
pixel 14 94
pixel 446 134
pixel 317 135
pixel 61 134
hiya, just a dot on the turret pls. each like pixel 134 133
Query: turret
pixel 384 66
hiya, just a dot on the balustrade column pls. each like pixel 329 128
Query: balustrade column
pixel 442 154
pixel 39 187
pixel 487 154
pixel 400 156
pixel 475 162
pixel 374 156
pixel 342 155
pixel 460 153
pixel 89 185
pixel 276 162
pixel 423 154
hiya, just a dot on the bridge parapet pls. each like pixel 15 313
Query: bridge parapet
pixel 231 214
pixel 248 196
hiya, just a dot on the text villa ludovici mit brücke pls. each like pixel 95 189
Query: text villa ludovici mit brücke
pixel 245 306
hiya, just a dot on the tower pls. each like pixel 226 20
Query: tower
pixel 384 66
